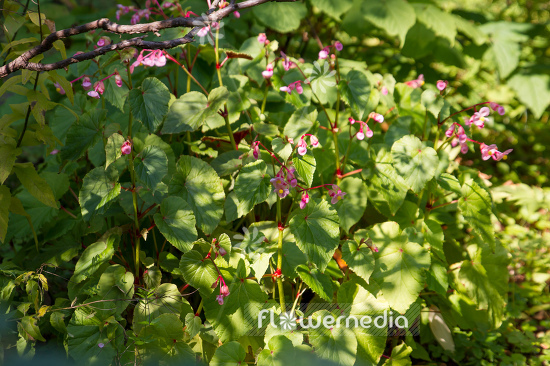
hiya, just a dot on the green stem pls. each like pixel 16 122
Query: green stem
pixel 188 56
pixel 226 118
pixel 297 297
pixel 199 308
pixel 133 177
pixel 280 258
pixel 335 139
pixel 265 97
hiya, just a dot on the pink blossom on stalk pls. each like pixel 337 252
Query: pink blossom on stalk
pixel 290 179
pixel 295 85
pixel 118 80
pixel 94 94
pixel 224 290
pixel 339 46
pixel 154 58
pixel 351 120
pixel 256 149
pixel 167 5
pixel 368 132
pixel 86 83
pixel 384 90
pixel 479 117
pixel 219 298
pixel 336 194
pixel 491 151
pixel 268 72
pixel 126 147
pixel 59 88
pixel 417 83
pixel 360 135
pixel 287 64
pixel 104 41
pixel 222 251
pixel 302 147
pixel 314 141
pixel 450 131
pixel 442 84
pixel 262 38
pixel 377 117
pixel 323 54
pixel 236 14
pixel 304 201
pixel 280 186
pixel 497 107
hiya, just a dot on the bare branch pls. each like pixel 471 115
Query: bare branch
pixel 22 62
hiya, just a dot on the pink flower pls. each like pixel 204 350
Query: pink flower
pixel 336 194
pixel 490 151
pixel 104 41
pixel 497 107
pixel 360 135
pixel 323 54
pixel 368 132
pixel 450 131
pixel 93 94
pixel 126 147
pixel 479 117
pixel 222 251
pixel 280 186
pixel 417 83
pixel 54 152
pixel 295 85
pixel 236 14
pixel 59 88
pixel 442 84
pixel 339 46
pixel 154 58
pixel 302 147
pixel 118 80
pixel 287 64
pixel 314 141
pixel 377 117
pixel 167 5
pixel 262 38
pixel 290 177
pixel 256 149
pixel 268 72
pixel 224 290
pixel 219 298
pixel 101 345
pixel 384 90
pixel 188 14
pixel 86 83
pixel 304 201
pixel 351 120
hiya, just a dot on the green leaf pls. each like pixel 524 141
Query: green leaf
pixel 355 90
pixel 532 90
pixel 198 271
pixel 229 354
pixel 5 201
pixel 337 345
pixel 281 148
pixel 36 185
pixel 475 206
pixel 300 122
pixel 191 110
pixel 400 265
pixel 441 22
pixel 435 104
pixel 396 17
pixel 317 231
pixel 114 94
pixel 449 183
pixel 176 222
pixel 84 134
pixel 351 208
pixel 197 183
pixel 387 189
pixel 359 258
pixel 83 344
pixel 400 356
pixel 8 153
pixel 28 323
pixel 434 236
pixel 319 282
pixel 95 255
pixel 239 313
pixel 151 165
pixel 165 299
pixel 227 163
pixel 112 148
pixel 252 185
pixel 270 15
pixel 333 8
pixel 280 352
pixel 305 166
pixel 149 103
pixel 99 188
pixel 415 161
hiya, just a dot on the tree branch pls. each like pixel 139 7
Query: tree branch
pixel 22 62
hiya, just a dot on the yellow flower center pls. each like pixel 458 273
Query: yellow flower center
pixel 482 119
pixel 421 82
pixel 505 157
pixel 490 152
pixel 339 198
pixel 57 90
pixel 281 191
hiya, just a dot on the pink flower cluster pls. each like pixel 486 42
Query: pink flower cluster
pixel 224 289
pixel 153 58
pixel 325 52
pixel 302 145
pixel 294 85
pixel 98 87
pixel 138 13
pixel 126 147
pixel 268 72
pixel 262 38
pixel 282 182
pixel 364 129
pixel 478 119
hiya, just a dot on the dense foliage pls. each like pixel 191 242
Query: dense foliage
pixel 318 158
